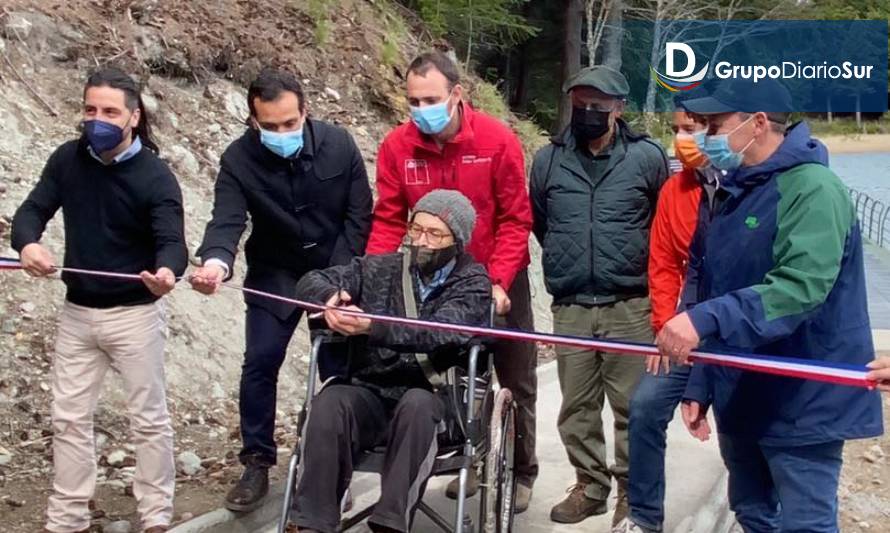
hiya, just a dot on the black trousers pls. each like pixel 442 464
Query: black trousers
pixel 345 420
pixel 267 340
pixel 515 364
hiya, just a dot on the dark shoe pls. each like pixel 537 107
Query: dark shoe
pixel 522 498
pixel 377 528
pixel 156 529
pixel 472 485
pixel 87 530
pixel 577 506
pixel 248 494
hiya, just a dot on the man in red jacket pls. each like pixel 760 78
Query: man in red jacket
pixel 685 196
pixel 449 145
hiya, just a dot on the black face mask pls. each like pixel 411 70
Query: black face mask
pixel 428 261
pixel 589 124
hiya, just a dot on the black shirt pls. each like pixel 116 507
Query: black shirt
pixel 595 165
pixel 126 217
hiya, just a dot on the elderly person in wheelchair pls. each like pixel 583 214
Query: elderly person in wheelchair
pixel 388 397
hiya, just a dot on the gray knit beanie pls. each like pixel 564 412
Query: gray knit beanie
pixel 453 208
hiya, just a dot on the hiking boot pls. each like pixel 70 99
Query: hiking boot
pixel 622 507
pixel 472 485
pixel 522 498
pixel 577 506
pixel 248 494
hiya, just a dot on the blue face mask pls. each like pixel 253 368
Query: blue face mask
pixel 719 153
pixel 284 144
pixel 432 119
pixel 102 136
pixel 699 138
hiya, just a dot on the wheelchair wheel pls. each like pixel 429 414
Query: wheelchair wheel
pixel 499 465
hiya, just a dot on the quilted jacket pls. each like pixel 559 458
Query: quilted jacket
pixel 595 234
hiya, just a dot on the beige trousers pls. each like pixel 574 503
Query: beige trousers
pixel 131 341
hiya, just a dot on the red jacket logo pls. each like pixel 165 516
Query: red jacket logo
pixel 417 172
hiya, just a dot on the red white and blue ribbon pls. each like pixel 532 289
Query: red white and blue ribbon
pixel 840 374
pixel 9 264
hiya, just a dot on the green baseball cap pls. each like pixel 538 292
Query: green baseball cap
pixel 605 79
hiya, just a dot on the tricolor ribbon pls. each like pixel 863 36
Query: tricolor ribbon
pixel 823 371
pixel 9 264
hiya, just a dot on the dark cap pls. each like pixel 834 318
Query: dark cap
pixel 681 97
pixel 742 95
pixel 605 79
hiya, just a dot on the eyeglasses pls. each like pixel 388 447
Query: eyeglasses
pixel 433 236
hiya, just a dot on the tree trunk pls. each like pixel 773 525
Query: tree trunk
pixel 519 95
pixel 571 55
pixel 470 35
pixel 613 36
pixel 649 106
pixel 858 113
pixel 591 31
pixel 520 75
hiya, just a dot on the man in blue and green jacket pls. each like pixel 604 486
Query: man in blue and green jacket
pixel 781 273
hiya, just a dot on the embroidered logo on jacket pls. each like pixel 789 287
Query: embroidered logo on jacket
pixel 752 222
pixel 417 172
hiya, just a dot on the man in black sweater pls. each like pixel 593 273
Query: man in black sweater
pixel 303 184
pixel 122 211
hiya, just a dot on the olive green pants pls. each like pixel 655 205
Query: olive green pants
pixel 587 377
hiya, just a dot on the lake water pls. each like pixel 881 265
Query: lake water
pixel 868 173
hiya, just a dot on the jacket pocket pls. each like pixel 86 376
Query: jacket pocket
pixel 328 177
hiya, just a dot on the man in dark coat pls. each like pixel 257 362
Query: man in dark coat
pixel 388 396
pixel 594 190
pixel 302 183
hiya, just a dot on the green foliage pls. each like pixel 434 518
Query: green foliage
pixel 531 136
pixel 486 97
pixel 319 11
pixel 849 10
pixel 846 126
pixel 389 51
pixel 489 23
pixel 395 32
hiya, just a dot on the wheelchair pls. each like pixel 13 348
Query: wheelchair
pixel 484 440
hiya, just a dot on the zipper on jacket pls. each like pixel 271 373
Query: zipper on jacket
pixel 293 176
pixel 593 241
pixel 714 205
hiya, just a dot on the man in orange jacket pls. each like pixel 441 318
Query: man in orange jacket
pixel 449 145
pixel 687 197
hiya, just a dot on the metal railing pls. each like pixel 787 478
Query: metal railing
pixel 873 216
